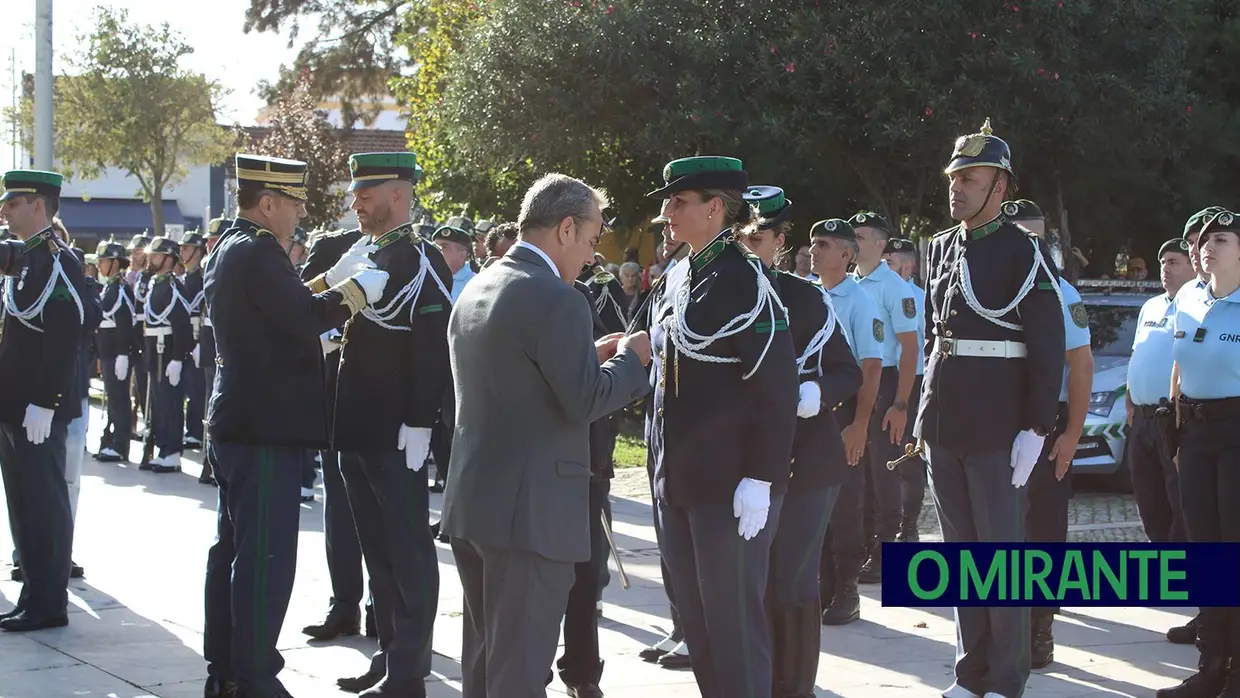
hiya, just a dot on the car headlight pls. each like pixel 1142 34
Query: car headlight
pixel 1100 404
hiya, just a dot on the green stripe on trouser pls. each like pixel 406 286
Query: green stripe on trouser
pixel 262 560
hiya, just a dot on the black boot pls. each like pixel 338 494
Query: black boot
pixel 340 622
pixel 795 664
pixel 908 527
pixel 846 606
pixel 872 571
pixel 1208 682
pixel 1042 644
pixel 1184 634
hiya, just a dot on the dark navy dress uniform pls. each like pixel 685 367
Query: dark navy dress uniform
pixel 39 349
pixel 192 374
pixel 138 278
pixel 117 336
pixel 985 384
pixel 267 406
pixel 344 552
pixel 206 345
pixel 714 427
pixel 169 336
pixel 1206 349
pixel 393 371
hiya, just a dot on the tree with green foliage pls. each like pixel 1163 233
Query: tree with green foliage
pixel 300 131
pixel 130 105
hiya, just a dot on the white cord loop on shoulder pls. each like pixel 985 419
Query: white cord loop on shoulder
pixel 122 298
pixel 995 315
pixel 604 299
pixel 694 345
pixel 36 308
pixel 152 318
pixel 820 339
pixel 408 295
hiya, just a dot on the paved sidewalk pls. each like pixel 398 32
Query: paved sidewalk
pixel 136 622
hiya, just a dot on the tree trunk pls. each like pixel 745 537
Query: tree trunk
pixel 1071 265
pixel 157 213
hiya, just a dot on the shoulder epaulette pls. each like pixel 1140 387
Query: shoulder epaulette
pixel 602 277
pixel 952 229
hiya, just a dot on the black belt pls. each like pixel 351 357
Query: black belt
pixel 1208 410
pixel 1147 411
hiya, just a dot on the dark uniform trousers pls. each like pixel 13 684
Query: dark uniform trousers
pixel 39 516
pixel 581 663
pixel 1209 488
pixel 441 435
pixel 722 577
pixel 138 369
pixel 344 550
pixel 167 407
pixel 251 565
pixel 1046 508
pixel 677 632
pixel 120 416
pixel 913 471
pixel 796 551
pixel 390 506
pixel 844 546
pixel 195 382
pixel 1155 479
pixel 976 502
pixel 208 377
pixel 882 523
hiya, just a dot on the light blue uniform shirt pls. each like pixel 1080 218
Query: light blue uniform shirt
pixel 896 307
pixel 919 295
pixel 459 280
pixel 1149 369
pixel 859 317
pixel 1075 327
pixel 1206 344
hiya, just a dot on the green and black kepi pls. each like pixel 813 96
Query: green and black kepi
pixel 1022 210
pixel 982 149
pixel 1179 245
pixel 773 207
pixel 869 219
pixel 373 169
pixel 139 242
pixel 217 226
pixel 833 228
pixel 1195 222
pixel 1221 221
pixel 702 172
pixel 111 249
pixel 37 182
pixel 258 172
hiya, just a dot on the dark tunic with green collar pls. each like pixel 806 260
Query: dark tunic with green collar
pixel 396 375
pixel 973 404
pixel 38 357
pixel 707 427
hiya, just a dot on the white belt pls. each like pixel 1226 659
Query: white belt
pixel 107 324
pixel 989 348
pixel 195 322
pixel 157 331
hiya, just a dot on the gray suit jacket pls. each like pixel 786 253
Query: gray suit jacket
pixel 528 385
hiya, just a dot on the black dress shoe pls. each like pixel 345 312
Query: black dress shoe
pixel 24 622
pixel 218 688
pixel 10 613
pixel 1183 634
pixel 337 624
pixel 76 571
pixel 585 690
pixel 17 575
pixel 676 660
pixel 371 630
pixel 437 488
pixel 207 480
pixel 357 684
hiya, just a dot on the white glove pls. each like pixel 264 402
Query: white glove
pixel 1026 450
pixel 750 504
pixel 173 372
pixel 195 354
pixel 122 367
pixel 810 401
pixel 416 443
pixel 329 344
pixel 372 281
pixel 38 423
pixel 352 262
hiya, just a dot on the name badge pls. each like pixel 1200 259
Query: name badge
pixel 1200 336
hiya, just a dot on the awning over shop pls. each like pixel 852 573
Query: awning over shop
pixel 123 218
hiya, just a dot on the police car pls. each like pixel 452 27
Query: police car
pixel 1113 307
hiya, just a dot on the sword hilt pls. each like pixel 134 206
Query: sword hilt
pixel 911 451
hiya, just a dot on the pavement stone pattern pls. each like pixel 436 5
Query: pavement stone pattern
pixel 136 619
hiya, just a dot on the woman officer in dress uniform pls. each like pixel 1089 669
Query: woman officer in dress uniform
pixel 830 375
pixel 1205 379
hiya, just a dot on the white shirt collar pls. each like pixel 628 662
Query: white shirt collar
pixel 537 250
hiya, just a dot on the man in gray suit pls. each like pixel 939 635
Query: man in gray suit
pixel 528 384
